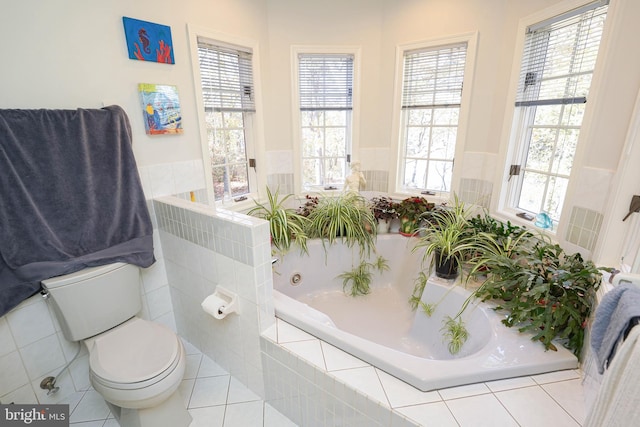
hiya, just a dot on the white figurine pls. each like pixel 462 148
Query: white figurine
pixel 356 180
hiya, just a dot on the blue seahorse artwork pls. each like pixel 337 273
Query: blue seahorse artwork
pixel 147 41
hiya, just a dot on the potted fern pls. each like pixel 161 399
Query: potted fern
pixel 286 226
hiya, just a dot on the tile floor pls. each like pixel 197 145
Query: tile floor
pixel 214 398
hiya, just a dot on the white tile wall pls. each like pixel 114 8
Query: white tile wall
pixel 475 191
pixel 204 248
pixel 584 227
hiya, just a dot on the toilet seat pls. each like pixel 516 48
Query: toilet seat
pixel 134 355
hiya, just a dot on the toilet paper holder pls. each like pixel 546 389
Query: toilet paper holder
pixel 221 303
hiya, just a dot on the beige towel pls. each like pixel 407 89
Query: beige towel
pixel 618 401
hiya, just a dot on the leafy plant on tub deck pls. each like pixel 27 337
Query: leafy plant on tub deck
pixel 446 239
pixel 411 212
pixel 285 224
pixel 346 217
pixel 544 290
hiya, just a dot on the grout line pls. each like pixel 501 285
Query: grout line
pixel 324 360
pixel 559 404
pixel 384 390
pixel 452 414
pixel 507 409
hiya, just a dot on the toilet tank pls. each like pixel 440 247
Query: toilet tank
pixel 90 301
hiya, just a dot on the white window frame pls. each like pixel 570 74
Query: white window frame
pixel 398 143
pixel 512 148
pixel 254 134
pixel 296 50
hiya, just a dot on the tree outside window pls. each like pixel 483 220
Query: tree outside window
pixel 557 66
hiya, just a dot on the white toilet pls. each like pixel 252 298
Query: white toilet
pixel 136 365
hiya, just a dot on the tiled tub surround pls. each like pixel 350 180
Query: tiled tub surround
pixel 204 248
pixel 584 227
pixel 475 191
pixel 316 384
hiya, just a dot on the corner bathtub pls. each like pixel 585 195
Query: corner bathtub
pixel 381 329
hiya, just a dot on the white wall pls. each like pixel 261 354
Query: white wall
pixel 326 23
pixel 72 53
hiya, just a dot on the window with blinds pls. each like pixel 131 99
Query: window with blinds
pixel 228 96
pixel 325 86
pixel 557 66
pixel 431 97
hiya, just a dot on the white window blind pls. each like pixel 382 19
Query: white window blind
pixel 431 97
pixel 325 81
pixel 558 61
pixel 433 77
pixel 559 58
pixel 226 78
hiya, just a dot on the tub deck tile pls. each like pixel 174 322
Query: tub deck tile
pixel 402 394
pixel 514 401
pixel 336 359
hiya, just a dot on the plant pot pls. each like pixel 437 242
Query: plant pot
pixel 446 268
pixel 383 226
pixel 408 226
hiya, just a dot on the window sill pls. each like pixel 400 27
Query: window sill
pixel 241 206
pixel 510 216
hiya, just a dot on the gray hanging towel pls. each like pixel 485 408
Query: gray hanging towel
pixel 70 197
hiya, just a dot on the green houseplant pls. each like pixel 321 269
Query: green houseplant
pixel 358 280
pixel 411 212
pixel 286 226
pixel 446 240
pixel 384 210
pixel 347 217
pixel 544 290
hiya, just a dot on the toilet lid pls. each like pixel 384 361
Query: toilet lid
pixel 134 352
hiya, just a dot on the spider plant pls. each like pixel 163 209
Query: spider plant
pixel 358 280
pixel 285 225
pixel 346 217
pixel 446 240
pixel 418 289
pixel 455 332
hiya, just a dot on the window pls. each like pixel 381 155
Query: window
pixel 226 79
pixel 431 98
pixel 325 89
pixel 555 76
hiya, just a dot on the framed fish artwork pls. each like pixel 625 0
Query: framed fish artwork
pixel 161 109
pixel 147 41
